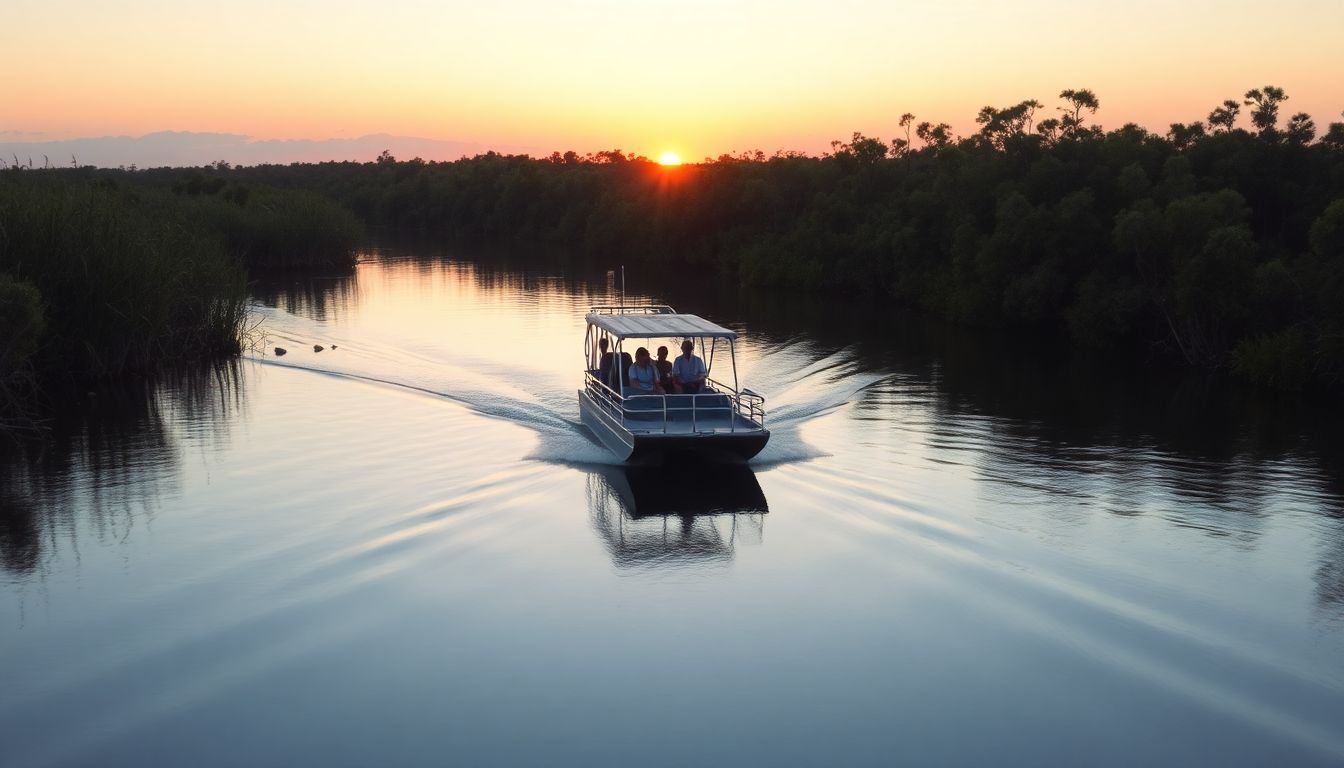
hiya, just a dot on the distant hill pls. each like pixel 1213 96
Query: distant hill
pixel 186 148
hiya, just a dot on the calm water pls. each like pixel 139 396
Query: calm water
pixel 404 551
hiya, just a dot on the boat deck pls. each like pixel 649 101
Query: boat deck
pixel 702 426
pixel 712 413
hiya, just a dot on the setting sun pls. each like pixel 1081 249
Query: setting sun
pixel 669 158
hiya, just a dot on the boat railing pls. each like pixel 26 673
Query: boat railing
pixel 603 394
pixel 746 404
pixel 633 309
pixel 750 405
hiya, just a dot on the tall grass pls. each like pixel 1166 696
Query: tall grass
pixel 22 323
pixel 270 228
pixel 130 280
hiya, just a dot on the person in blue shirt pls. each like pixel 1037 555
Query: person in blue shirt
pixel 644 375
pixel 688 371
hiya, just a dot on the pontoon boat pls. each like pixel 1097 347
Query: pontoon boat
pixel 721 420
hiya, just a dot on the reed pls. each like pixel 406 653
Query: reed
pixel 279 229
pixel 129 280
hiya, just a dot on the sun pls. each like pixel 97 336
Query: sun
pixel 669 158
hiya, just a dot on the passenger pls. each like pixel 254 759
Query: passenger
pixel 664 370
pixel 626 363
pixel 688 371
pixel 606 363
pixel 644 375
pixel 608 371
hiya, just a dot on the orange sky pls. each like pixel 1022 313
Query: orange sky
pixel 695 76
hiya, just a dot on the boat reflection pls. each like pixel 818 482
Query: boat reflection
pixel 668 516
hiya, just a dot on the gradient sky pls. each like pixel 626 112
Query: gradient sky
pixel 693 76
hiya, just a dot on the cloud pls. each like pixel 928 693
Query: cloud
pixel 188 148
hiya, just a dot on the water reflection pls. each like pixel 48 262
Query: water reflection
pixel 110 462
pixel 1039 426
pixel 320 297
pixel 981 525
pixel 652 517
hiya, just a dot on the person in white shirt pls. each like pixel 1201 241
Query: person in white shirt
pixel 688 371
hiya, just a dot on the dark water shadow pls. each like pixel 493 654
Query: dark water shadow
pixel 675 516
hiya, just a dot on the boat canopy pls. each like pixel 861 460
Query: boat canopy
pixel 657 326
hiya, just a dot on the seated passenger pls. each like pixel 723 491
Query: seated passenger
pixel 688 371
pixel 644 375
pixel 626 362
pixel 612 370
pixel 606 362
pixel 664 370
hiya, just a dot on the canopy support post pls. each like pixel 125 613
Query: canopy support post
pixel 732 353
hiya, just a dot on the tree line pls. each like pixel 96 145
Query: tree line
pixel 1218 243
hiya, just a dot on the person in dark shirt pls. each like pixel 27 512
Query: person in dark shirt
pixel 608 371
pixel 605 361
pixel 664 367
pixel 622 376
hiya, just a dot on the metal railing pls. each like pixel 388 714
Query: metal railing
pixel 750 405
pixel 745 404
pixel 642 309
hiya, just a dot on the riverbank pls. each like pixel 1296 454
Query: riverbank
pixel 103 276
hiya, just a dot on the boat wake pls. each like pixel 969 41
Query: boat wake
pixel 802 385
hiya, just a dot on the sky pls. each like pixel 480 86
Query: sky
pixel 695 77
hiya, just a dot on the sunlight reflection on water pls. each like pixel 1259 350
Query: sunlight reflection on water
pixel 404 549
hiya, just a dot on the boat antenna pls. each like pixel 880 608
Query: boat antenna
pixel 622 286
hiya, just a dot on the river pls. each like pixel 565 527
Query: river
pixel 403 550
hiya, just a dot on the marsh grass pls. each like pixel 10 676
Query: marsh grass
pixel 110 274
pixel 279 229
pixel 129 279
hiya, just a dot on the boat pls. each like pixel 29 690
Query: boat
pixel 721 421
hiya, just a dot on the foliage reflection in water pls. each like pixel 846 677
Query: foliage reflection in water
pixel 976 548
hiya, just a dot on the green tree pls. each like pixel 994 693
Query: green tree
pixel 937 136
pixel 997 125
pixel 1266 101
pixel 1224 118
pixel 1049 128
pixel 864 149
pixel 1183 135
pixel 900 147
pixel 1076 102
pixel 1334 135
pixel 1301 129
pixel 1327 233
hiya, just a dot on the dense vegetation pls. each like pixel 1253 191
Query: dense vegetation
pixel 102 277
pixel 1217 245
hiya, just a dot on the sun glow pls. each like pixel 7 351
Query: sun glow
pixel 669 158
